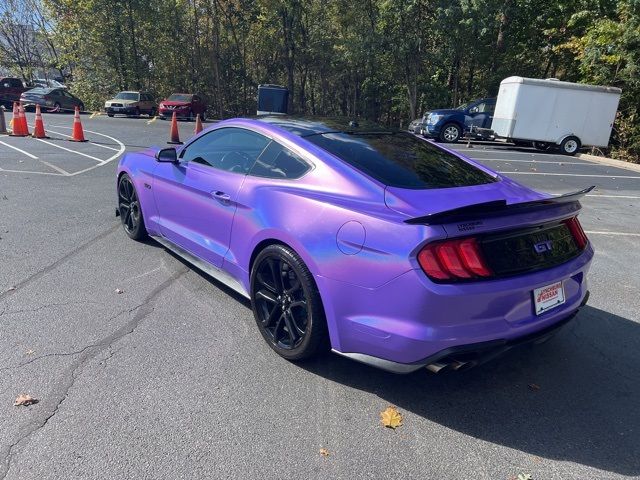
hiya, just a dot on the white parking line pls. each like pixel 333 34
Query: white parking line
pixel 622 234
pixel 568 175
pixel 19 150
pixel 614 196
pixel 504 151
pixel 99 160
pixel 90 143
pixel 510 160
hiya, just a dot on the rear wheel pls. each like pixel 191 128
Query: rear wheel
pixel 129 209
pixel 286 304
pixel 450 133
pixel 570 145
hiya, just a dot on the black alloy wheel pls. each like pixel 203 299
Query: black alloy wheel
pixel 129 209
pixel 286 304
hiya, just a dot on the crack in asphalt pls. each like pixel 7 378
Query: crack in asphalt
pixel 48 305
pixel 68 354
pixel 52 404
pixel 58 262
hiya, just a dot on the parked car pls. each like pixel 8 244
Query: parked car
pixel 389 248
pixel 449 125
pixel 131 103
pixel 10 90
pixel 186 106
pixel 53 99
pixel 416 126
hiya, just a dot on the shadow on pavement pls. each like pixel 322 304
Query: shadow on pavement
pixel 586 409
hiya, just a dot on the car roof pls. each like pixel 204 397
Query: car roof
pixel 306 126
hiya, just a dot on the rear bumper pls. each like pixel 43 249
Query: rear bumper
pixel 466 356
pixel 410 322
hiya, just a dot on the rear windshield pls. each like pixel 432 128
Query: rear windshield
pixel 180 97
pixel 399 159
pixel 39 91
pixel 127 96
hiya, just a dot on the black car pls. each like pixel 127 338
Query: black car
pixel 53 99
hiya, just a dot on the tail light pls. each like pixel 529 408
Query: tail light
pixel 459 259
pixel 577 232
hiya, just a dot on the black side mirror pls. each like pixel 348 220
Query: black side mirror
pixel 167 155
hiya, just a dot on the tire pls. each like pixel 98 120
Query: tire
pixel 286 304
pixel 543 146
pixel 450 133
pixel 56 107
pixel 130 210
pixel 136 113
pixel 81 107
pixel 203 116
pixel 152 113
pixel 570 145
pixel 109 114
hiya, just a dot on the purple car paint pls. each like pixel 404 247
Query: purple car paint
pixel 361 236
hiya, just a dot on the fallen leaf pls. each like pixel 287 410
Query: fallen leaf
pixel 119 291
pixel 524 476
pixel 11 289
pixel 391 418
pixel 324 452
pixel 24 400
pixel 534 386
pixel 533 169
pixel 30 352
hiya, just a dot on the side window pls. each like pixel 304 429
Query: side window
pixel 490 107
pixel 279 162
pixel 230 149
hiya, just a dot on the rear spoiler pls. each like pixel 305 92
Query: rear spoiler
pixel 493 209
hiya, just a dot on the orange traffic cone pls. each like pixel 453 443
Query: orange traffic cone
pixel 38 130
pixel 23 120
pixel 77 134
pixel 175 135
pixel 16 123
pixel 198 128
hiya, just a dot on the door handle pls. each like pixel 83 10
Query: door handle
pixel 221 197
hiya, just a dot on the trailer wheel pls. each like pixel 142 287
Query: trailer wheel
pixel 570 145
pixel 450 133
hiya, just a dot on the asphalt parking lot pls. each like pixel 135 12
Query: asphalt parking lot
pixel 170 378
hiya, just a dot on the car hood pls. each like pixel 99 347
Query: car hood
pixel 124 102
pixel 174 103
pixel 417 203
pixel 445 111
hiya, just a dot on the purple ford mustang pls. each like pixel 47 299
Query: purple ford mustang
pixel 389 249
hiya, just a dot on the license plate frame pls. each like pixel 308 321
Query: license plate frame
pixel 548 297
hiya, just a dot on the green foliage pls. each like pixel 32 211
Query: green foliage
pixel 386 60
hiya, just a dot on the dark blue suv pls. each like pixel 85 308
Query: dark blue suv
pixel 450 125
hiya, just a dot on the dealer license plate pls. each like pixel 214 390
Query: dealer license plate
pixel 548 297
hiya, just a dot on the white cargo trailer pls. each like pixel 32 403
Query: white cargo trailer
pixel 554 113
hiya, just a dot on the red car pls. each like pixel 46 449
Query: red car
pixel 186 105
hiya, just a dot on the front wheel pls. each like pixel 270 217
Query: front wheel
pixel 450 133
pixel 287 305
pixel 129 209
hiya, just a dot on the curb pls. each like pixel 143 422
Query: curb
pixel 634 167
